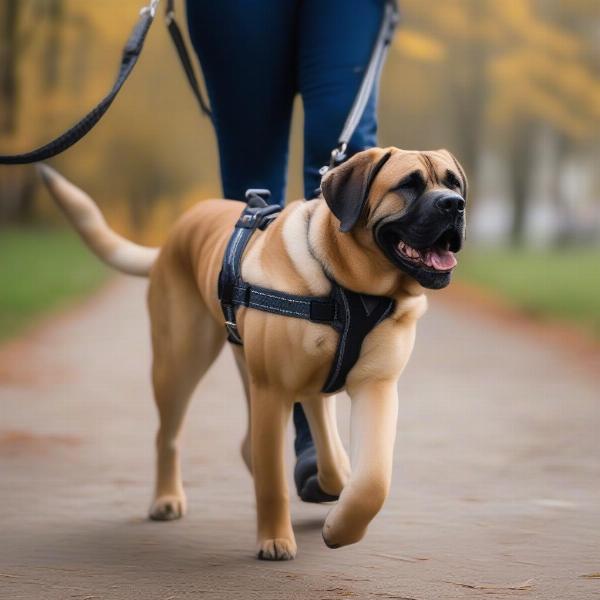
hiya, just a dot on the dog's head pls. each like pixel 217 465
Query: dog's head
pixel 411 203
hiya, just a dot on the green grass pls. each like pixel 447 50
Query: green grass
pixel 560 284
pixel 42 269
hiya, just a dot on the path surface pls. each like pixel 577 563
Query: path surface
pixel 496 483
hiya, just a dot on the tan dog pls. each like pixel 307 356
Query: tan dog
pixel 388 219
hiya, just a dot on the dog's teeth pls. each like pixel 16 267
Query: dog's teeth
pixel 408 251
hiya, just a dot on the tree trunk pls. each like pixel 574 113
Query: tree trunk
pixel 9 18
pixel 471 91
pixel 520 166
pixel 18 183
pixel 51 59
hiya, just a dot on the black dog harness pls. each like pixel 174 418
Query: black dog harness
pixel 352 315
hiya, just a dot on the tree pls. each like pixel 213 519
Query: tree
pixel 512 66
pixel 9 48
pixel 17 183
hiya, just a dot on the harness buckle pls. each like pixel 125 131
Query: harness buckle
pixel 253 217
pixel 257 197
pixel 233 335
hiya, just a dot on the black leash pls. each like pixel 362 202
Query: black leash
pixel 131 53
pixel 184 58
pixel 133 49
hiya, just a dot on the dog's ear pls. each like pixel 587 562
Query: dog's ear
pixel 465 182
pixel 346 187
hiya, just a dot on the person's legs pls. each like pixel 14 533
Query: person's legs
pixel 335 43
pixel 246 49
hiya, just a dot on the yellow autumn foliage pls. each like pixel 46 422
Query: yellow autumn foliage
pixel 456 67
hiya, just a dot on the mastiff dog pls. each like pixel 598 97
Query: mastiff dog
pixel 387 224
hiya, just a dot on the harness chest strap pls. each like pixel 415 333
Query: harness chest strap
pixel 352 315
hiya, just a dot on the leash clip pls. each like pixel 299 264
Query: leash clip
pixel 338 155
pixel 151 8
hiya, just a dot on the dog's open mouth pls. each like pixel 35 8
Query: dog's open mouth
pixel 429 259
pixel 438 257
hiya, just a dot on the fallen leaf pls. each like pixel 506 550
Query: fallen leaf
pixel 526 585
pixel 394 597
pixel 410 559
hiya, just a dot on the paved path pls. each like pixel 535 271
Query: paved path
pixel 496 483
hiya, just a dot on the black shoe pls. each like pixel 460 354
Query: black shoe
pixel 305 472
pixel 306 479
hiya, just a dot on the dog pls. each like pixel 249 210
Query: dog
pixel 387 223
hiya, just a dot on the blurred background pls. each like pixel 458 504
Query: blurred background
pixel 512 87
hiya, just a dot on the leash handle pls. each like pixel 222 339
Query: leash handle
pixel 131 52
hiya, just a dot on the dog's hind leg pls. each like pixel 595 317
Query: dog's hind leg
pixel 332 460
pixel 185 342
pixel 240 361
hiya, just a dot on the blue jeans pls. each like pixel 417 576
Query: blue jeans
pixel 256 56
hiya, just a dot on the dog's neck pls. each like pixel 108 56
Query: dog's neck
pixel 352 259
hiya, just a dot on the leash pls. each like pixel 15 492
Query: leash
pixel 391 17
pixel 184 58
pixel 133 48
pixel 131 52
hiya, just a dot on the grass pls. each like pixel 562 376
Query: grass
pixel 559 284
pixel 42 269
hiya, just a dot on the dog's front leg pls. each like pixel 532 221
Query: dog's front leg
pixel 270 412
pixel 374 413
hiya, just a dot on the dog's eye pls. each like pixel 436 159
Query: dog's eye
pixel 452 181
pixel 412 186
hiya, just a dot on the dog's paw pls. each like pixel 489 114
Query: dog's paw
pixel 168 508
pixel 277 549
pixel 343 534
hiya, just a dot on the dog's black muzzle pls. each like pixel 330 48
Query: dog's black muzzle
pixel 432 223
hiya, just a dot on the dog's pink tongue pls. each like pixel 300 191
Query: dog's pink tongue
pixel 441 260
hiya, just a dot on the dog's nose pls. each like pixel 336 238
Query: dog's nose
pixel 451 204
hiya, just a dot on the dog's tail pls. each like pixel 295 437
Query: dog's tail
pixel 85 216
